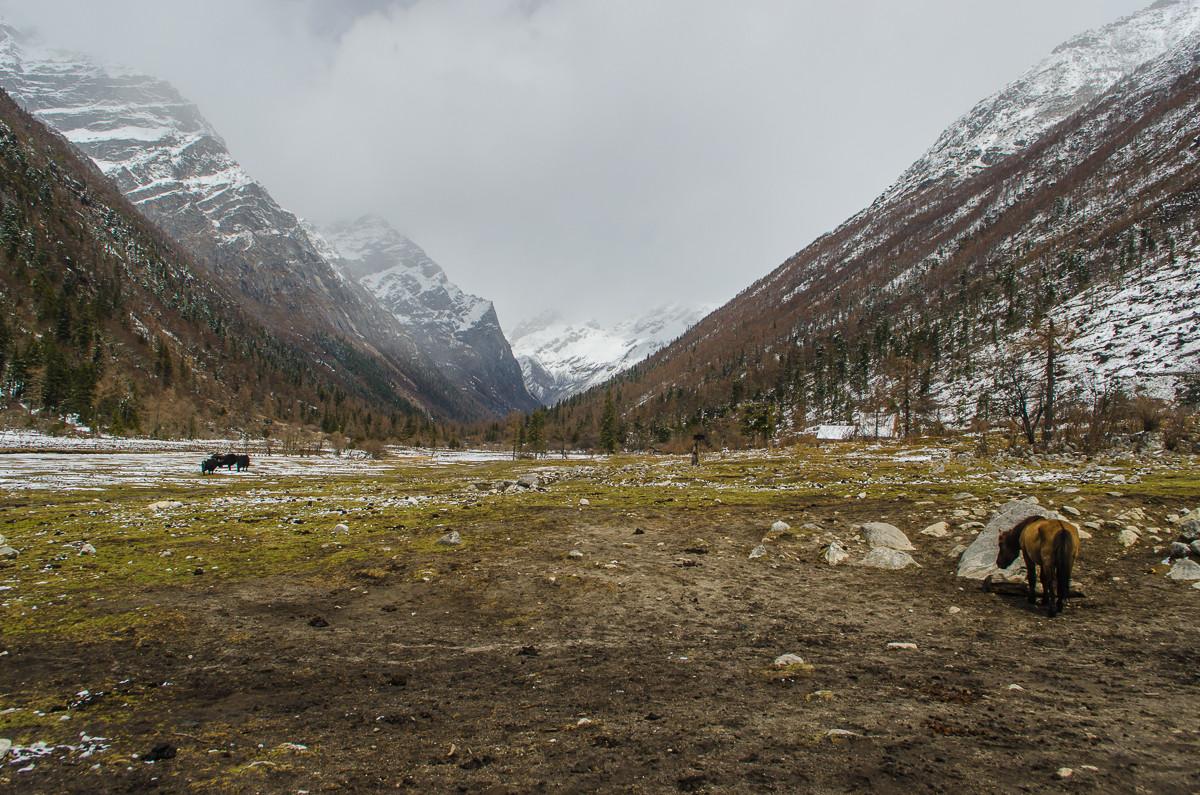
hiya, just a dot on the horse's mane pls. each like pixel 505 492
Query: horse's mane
pixel 1015 532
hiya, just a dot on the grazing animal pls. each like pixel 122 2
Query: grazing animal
pixel 208 465
pixel 1049 544
pixel 243 462
pixel 228 460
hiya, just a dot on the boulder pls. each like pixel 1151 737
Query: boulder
pixel 451 539
pixel 1189 526
pixel 834 554
pixel 884 558
pixel 529 481
pixel 979 560
pixel 1179 550
pixel 937 530
pixel 1185 570
pixel 882 534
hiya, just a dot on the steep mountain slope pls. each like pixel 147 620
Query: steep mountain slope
pixel 102 317
pixel 457 330
pixel 172 164
pixel 901 307
pixel 561 359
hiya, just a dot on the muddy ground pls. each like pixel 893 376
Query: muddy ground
pixel 378 660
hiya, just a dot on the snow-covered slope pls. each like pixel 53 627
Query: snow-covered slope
pixel 1074 74
pixel 561 359
pixel 458 330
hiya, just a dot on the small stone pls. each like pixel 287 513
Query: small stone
pixel 1018 688
pixel 1070 510
pixel 963 495
pixel 7 552
pixel 937 530
pixel 1185 570
pixel 902 646
pixel 165 505
pixel 5 747
pixel 1064 773
pixel 1084 534
pixel 780 527
pixel 759 551
pixel 87 549
pixel 884 558
pixel 952 610
pixel 575 554
pixel 1179 550
pixel 784 660
pixel 835 554
pixel 584 502
pixel 341 528
pixel 451 539
pixel 1195 547
pixel 1127 537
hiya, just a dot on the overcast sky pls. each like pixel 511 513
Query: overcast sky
pixel 598 157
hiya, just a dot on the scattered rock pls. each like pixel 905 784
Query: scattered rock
pixel 963 495
pixel 979 559
pixel 1179 550
pixel 784 660
pixel 937 530
pixel 759 551
pixel 529 481
pixel 1070 510
pixel 318 622
pixel 834 554
pixel 159 752
pixel 884 558
pixel 780 526
pixel 575 554
pixel 1084 534
pixel 882 534
pixel 1189 526
pixel 341 528
pixel 451 539
pixel 1185 570
pixel 1064 773
pixel 839 736
pixel 165 505
pixel 952 610
pixel 1195 547
pixel 5 747
pixel 902 646
pixel 1127 537
pixel 7 552
pixel 584 502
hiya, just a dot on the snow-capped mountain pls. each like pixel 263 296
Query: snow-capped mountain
pixel 458 330
pixel 173 165
pixel 561 359
pixel 1074 74
pixel 1071 194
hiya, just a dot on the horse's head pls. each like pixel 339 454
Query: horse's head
pixel 1010 547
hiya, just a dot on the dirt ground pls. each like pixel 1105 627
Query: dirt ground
pixel 505 665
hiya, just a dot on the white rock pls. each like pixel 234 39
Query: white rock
pixel 952 610
pixel 451 539
pixel 902 646
pixel 780 527
pixel 584 501
pixel 884 558
pixel 784 660
pixel 5 747
pixel 937 530
pixel 758 552
pixel 1127 537
pixel 1064 772
pixel 882 534
pixel 1185 569
pixel 575 554
pixel 979 559
pixel 1016 687
pixel 165 505
pixel 835 554
pixel 341 528
pixel 87 549
pixel 1070 510
pixel 7 552
pixel 1084 534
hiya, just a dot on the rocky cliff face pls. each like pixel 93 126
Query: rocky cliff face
pixel 459 331
pixel 170 162
pixel 561 359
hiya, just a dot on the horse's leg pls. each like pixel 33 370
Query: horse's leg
pixel 1031 575
pixel 1050 598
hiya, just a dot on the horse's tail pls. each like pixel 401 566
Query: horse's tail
pixel 1064 559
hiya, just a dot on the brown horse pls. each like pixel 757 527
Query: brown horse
pixel 1051 544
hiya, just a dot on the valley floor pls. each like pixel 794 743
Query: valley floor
pixel 230 628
